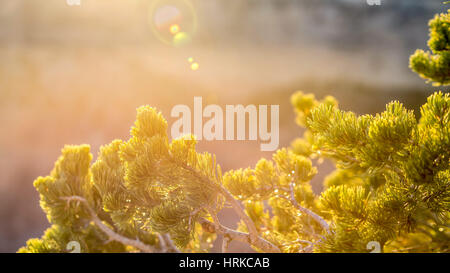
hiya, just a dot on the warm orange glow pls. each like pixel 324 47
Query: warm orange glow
pixel 174 29
pixel 194 66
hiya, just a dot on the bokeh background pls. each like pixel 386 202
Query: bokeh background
pixel 74 74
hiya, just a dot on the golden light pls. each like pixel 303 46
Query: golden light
pixel 194 66
pixel 181 39
pixel 174 29
pixel 173 22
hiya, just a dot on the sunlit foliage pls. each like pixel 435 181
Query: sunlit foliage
pixel 435 65
pixel 391 185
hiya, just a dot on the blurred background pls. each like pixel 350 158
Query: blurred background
pixel 74 74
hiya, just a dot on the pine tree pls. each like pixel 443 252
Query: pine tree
pixel 435 65
pixel 391 186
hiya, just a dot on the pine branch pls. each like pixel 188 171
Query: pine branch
pixel 167 244
pixel 408 187
pixel 225 243
pixel 226 239
pixel 171 244
pixel 261 243
pixel 315 216
pixel 241 213
pixel 111 234
pixel 253 236
pixel 253 233
pixel 162 243
pixel 306 249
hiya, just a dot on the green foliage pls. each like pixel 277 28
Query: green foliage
pixel 392 182
pixel 435 65
pixel 138 188
pixel 391 185
pixel 392 177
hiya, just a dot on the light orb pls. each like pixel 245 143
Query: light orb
pixel 181 39
pixel 194 66
pixel 173 22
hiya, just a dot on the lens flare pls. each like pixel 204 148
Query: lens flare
pixel 173 22
pixel 165 15
pixel 181 39
pixel 194 66
pixel 174 29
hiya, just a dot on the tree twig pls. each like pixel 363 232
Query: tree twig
pixel 111 234
pixel 225 243
pixel 315 216
pixel 261 243
pixel 170 243
pixel 241 213
pixel 252 237
pixel 162 243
